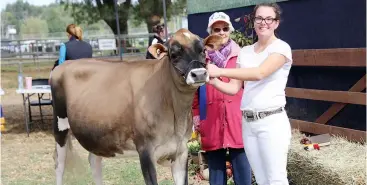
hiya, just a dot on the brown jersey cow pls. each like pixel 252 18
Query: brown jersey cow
pixel 107 105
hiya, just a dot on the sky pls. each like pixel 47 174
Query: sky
pixel 3 3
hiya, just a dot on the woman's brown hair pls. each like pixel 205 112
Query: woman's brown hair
pixel 275 7
pixel 75 31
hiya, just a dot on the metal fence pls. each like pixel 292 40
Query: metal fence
pixel 48 49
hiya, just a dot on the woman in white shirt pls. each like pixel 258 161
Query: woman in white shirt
pixel 263 69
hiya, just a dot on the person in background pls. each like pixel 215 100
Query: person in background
pixel 75 48
pixel 263 69
pixel 217 116
pixel 159 37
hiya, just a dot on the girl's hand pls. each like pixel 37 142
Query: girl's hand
pixel 212 81
pixel 213 70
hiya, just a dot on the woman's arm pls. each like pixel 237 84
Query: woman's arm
pixel 230 88
pixel 274 62
pixel 62 53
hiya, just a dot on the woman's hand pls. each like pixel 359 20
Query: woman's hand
pixel 212 81
pixel 213 70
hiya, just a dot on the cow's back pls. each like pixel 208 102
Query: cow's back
pixel 101 96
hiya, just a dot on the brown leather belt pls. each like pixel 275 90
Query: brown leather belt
pixel 253 116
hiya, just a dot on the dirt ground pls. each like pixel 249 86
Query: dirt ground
pixel 29 160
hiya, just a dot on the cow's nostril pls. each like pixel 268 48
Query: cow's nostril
pixel 205 73
pixel 193 74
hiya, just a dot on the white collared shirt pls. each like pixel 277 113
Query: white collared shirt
pixel 267 93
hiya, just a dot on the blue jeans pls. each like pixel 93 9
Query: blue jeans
pixel 217 167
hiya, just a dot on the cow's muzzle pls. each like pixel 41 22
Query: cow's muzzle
pixel 197 76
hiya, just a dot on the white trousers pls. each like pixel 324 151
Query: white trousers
pixel 266 144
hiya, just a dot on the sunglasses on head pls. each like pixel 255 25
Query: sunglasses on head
pixel 217 30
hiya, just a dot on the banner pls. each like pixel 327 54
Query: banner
pixel 107 44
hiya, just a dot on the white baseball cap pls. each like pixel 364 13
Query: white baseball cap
pixel 219 16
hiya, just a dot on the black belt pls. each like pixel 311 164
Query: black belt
pixel 253 116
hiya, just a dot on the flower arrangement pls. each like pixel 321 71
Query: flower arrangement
pixel 194 146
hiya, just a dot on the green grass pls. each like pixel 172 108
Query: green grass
pixel 9 73
pixel 29 161
pixel 27 67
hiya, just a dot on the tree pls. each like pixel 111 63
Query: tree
pixel 55 15
pixel 57 19
pixel 92 11
pixel 34 26
pixel 151 11
pixel 7 18
pixel 20 10
pixel 178 7
pixel 148 11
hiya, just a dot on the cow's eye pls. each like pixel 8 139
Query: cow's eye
pixel 176 48
pixel 175 51
pixel 174 56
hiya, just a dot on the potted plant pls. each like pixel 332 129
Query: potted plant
pixel 194 148
pixel 245 35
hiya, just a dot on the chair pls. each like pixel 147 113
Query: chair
pixel 41 100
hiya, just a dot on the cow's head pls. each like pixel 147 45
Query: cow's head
pixel 186 52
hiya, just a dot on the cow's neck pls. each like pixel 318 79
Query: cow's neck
pixel 181 93
pixel 182 98
pixel 180 82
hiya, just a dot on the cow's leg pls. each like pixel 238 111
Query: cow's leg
pixel 61 147
pixel 96 166
pixel 61 129
pixel 147 165
pixel 179 168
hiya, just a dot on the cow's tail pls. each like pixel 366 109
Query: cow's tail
pixel 73 160
pixel 74 168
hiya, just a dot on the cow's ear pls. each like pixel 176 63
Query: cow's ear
pixel 158 50
pixel 213 42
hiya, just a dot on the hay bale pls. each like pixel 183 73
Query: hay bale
pixel 340 163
